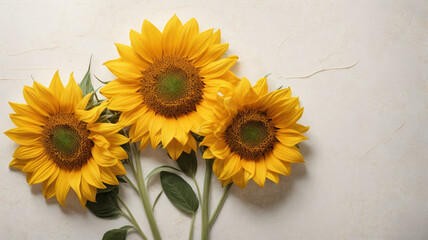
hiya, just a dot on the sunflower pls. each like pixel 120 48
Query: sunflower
pixel 167 83
pixel 253 134
pixel 62 145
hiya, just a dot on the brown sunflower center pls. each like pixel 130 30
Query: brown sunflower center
pixel 172 87
pixel 251 134
pixel 66 141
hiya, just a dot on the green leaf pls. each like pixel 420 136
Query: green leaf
pixel 188 163
pixel 179 192
pixel 120 178
pixel 160 169
pixel 106 205
pixel 117 234
pixel 156 200
pixel 108 188
pixel 86 84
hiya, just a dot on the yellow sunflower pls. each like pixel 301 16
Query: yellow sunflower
pixel 253 134
pixel 62 145
pixel 167 82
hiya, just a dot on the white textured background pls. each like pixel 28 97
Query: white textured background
pixel 365 175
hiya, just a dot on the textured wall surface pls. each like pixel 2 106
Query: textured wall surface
pixel 365 175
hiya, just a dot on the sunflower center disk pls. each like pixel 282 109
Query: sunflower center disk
pixel 172 87
pixel 250 134
pixel 66 141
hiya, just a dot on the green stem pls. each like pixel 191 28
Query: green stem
pixel 220 204
pixel 191 226
pixel 206 201
pixel 131 218
pixel 144 196
pixel 199 191
pixel 131 183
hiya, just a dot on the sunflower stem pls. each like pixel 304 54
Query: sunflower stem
pixel 220 204
pixel 131 218
pixel 131 183
pixel 199 191
pixel 206 201
pixel 191 226
pixel 144 196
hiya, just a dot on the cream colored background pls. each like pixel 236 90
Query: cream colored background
pixel 365 175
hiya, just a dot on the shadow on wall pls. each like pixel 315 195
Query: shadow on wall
pixel 272 193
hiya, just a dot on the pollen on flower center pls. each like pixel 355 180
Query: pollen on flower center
pixel 250 134
pixel 172 87
pixel 66 141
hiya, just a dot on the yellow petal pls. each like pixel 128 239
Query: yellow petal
pixel 84 102
pixel 275 165
pixel 200 43
pixel 207 154
pixel 244 93
pixel 28 152
pixel 260 175
pixel 42 173
pixel 56 85
pixel 119 86
pixel 23 136
pixel 231 167
pixel 52 101
pixel 174 149
pixel 212 54
pixel 171 36
pixel 105 128
pixel 18 163
pixel 23 121
pixel 249 165
pixel 125 103
pixel 299 128
pixel 189 32
pixel 89 192
pixel 118 169
pixel 218 68
pixel 27 111
pixel 91 174
pixel 62 186
pixel 261 87
pixel 75 180
pixel 124 70
pixel 36 163
pixel 103 157
pixel 118 152
pixel 48 189
pixel 152 38
pixel 288 154
pixel 289 137
pixel 274 177
pixel 92 115
pixel 36 102
pixel 128 54
pixel 71 96
pixel 108 177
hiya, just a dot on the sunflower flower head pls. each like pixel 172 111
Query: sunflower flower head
pixel 253 134
pixel 61 143
pixel 167 82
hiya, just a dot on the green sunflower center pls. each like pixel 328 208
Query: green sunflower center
pixel 250 134
pixel 172 87
pixel 66 141
pixel 253 133
pixel 172 84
